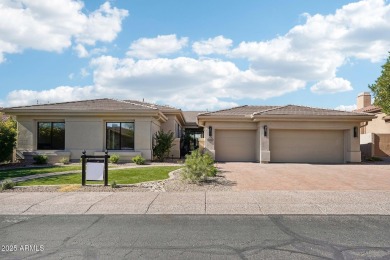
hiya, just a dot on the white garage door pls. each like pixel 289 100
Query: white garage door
pixel 307 146
pixel 235 145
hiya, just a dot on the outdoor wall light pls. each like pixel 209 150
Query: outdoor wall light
pixel 265 130
pixel 355 131
pixel 210 131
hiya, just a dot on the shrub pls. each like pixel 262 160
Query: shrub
pixel 138 160
pixel 198 167
pixel 7 138
pixel 114 158
pixel 7 184
pixel 164 143
pixel 114 185
pixel 64 160
pixel 40 159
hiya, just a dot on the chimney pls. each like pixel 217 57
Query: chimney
pixel 363 100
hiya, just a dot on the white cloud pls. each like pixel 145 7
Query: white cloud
pixel 58 94
pixel 149 48
pixel 333 85
pixel 346 107
pixel 51 25
pixel 84 73
pixel 183 82
pixel 216 45
pixel 81 51
pixel 317 48
pixel 71 76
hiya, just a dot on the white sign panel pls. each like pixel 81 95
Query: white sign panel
pixel 95 171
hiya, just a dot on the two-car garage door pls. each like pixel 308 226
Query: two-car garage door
pixel 307 146
pixel 295 146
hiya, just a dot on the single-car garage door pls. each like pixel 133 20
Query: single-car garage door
pixel 307 146
pixel 235 145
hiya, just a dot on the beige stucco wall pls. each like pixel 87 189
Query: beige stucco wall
pixel 377 125
pixel 87 133
pixel 351 144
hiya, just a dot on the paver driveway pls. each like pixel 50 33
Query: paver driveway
pixel 255 176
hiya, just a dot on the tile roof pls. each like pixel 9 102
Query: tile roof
pixel 280 110
pixel 239 111
pixel 191 116
pixel 96 104
pixel 369 109
pixel 152 105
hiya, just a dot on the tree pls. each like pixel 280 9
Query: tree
pixel 163 144
pixel 7 138
pixel 381 88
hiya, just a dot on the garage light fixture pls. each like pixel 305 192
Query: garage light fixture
pixel 355 131
pixel 265 130
pixel 210 131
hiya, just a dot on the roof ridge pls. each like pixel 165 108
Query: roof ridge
pixel 270 109
pixel 142 104
pixel 67 102
pixel 226 109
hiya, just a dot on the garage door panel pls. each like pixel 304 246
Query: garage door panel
pixel 235 145
pixel 307 146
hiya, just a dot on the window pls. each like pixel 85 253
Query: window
pixel 120 136
pixel 51 135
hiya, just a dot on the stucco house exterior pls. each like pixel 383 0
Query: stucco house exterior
pixel 246 133
pixel 64 130
pixel 375 134
pixel 289 133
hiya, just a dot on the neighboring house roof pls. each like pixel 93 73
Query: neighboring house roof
pixel 369 109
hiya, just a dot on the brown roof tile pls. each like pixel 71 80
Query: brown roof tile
pixel 306 111
pixel 369 109
pixel 191 116
pixel 96 104
pixel 239 111
pixel 280 110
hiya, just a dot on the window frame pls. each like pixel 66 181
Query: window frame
pixel 120 134
pixel 39 147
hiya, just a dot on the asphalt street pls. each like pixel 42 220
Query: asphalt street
pixel 194 237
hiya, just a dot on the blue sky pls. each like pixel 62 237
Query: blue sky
pixel 192 54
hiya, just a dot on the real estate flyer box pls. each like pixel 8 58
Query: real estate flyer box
pixel 95 171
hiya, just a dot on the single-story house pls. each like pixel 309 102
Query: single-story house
pixel 66 129
pixel 246 133
pixel 375 134
pixel 289 133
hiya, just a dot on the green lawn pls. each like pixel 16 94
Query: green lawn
pixel 122 176
pixel 20 172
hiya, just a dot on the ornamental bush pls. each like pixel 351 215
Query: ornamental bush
pixel 163 144
pixel 40 159
pixel 7 184
pixel 198 167
pixel 7 138
pixel 139 160
pixel 114 158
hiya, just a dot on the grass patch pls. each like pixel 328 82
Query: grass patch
pixel 20 172
pixel 121 176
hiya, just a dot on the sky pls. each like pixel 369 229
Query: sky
pixel 194 55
